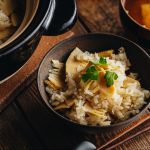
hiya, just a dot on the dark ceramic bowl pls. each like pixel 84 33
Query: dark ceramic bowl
pixel 48 17
pixel 132 25
pixel 95 43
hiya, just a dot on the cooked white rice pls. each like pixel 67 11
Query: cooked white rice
pixel 8 19
pixel 83 104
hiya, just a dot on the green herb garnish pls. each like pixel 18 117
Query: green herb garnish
pixel 102 61
pixel 110 77
pixel 91 74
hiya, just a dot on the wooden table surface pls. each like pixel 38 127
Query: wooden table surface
pixel 26 124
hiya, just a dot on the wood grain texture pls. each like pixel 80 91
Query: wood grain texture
pixel 15 133
pixel 29 119
pixel 127 136
pixel 101 15
pixel 140 142
pixel 50 129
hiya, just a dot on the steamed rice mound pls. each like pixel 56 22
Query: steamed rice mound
pixel 93 102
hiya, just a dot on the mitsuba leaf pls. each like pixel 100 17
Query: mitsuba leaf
pixel 110 77
pixel 91 74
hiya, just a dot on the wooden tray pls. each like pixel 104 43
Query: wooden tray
pixel 10 88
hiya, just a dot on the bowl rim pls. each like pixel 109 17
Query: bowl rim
pixel 49 107
pixel 11 47
pixel 131 18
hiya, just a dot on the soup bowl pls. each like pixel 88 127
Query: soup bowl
pixel 95 43
pixel 40 17
pixel 132 25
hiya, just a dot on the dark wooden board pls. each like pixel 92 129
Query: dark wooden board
pixel 15 132
pixel 100 15
pixel 52 132
pixel 26 124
